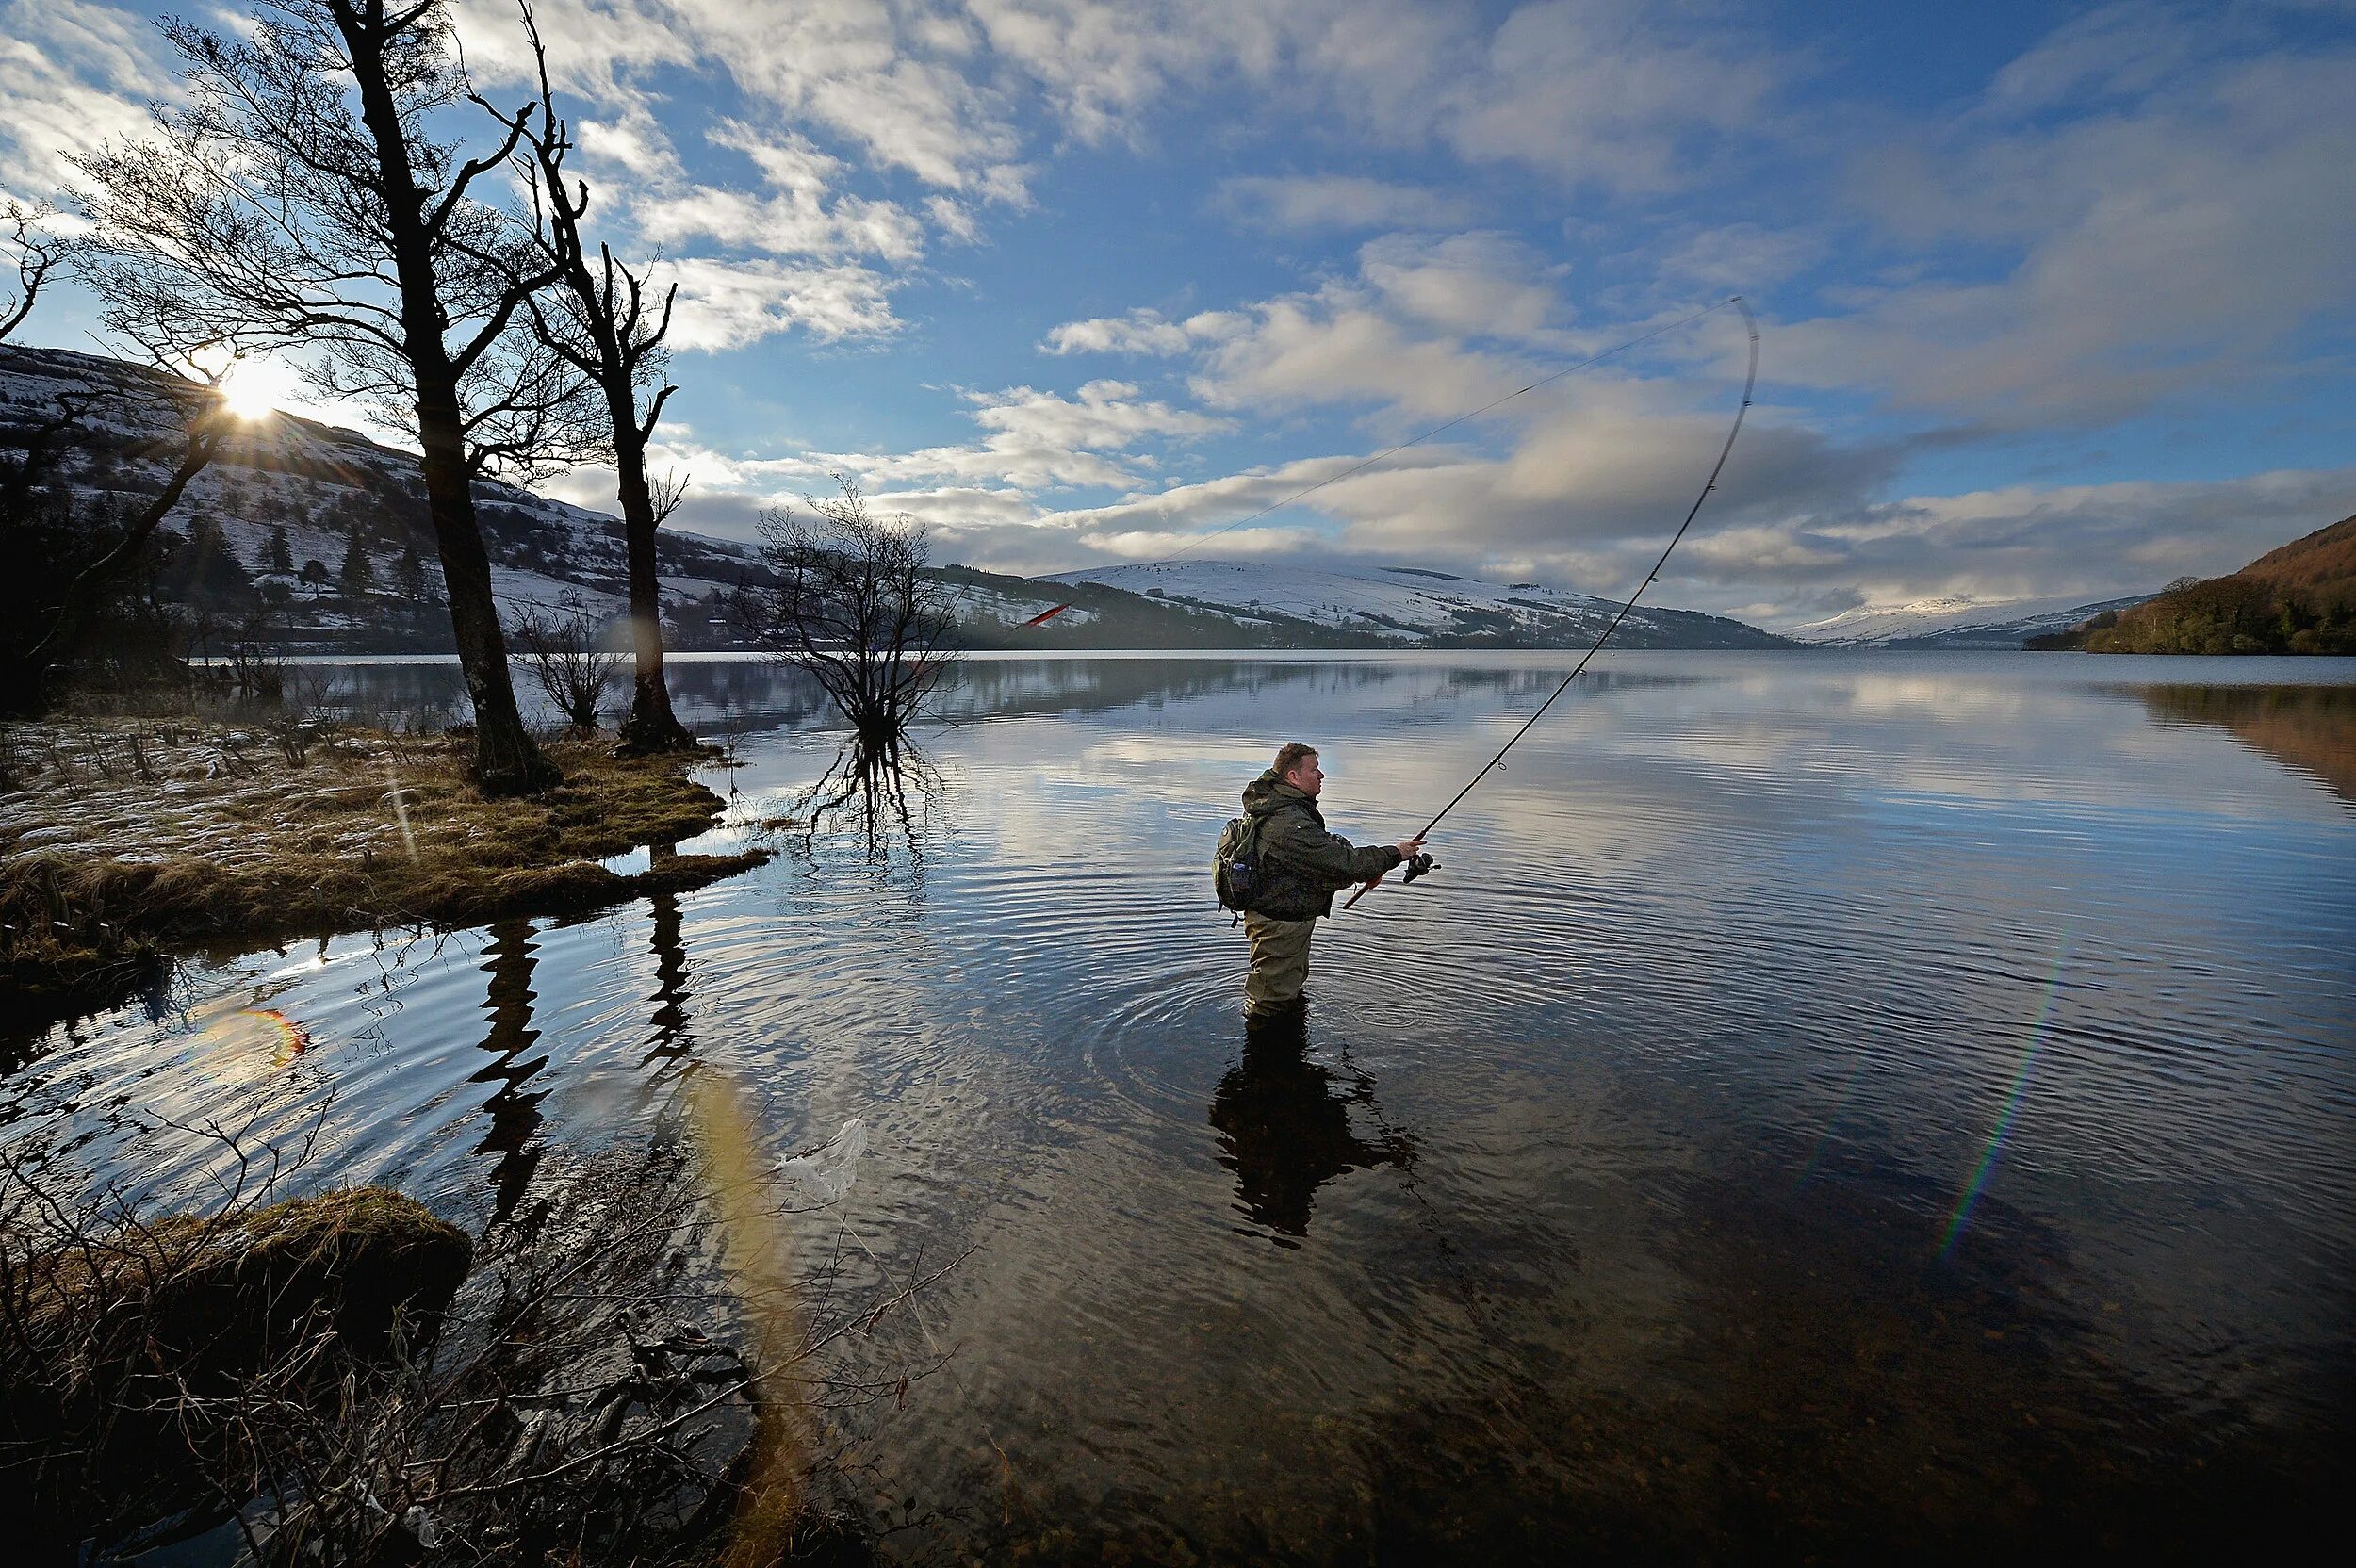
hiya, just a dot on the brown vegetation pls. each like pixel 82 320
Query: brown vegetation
pixel 123 837
pixel 2300 598
pixel 632 1373
pixel 114 1340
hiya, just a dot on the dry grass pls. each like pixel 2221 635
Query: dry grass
pixel 123 838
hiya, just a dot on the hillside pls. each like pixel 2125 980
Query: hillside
pixel 318 536
pixel 324 533
pixel 2300 598
pixel 1409 607
pixel 1957 622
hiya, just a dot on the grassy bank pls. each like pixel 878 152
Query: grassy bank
pixel 125 839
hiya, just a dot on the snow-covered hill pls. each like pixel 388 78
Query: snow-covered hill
pixel 290 502
pixel 1408 606
pixel 324 533
pixel 1955 623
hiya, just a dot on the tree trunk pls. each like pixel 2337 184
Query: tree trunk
pixel 650 724
pixel 505 761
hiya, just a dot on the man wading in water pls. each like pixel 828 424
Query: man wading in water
pixel 1301 867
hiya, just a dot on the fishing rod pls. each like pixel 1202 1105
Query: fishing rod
pixel 1423 863
pixel 1363 464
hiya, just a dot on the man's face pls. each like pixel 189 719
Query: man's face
pixel 1306 776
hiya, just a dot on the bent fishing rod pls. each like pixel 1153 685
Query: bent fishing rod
pixel 1423 863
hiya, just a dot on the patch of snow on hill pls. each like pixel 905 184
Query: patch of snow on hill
pixel 1403 603
pixel 1954 621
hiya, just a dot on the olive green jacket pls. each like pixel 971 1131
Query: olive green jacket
pixel 1301 865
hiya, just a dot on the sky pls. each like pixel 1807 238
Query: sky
pixel 2056 300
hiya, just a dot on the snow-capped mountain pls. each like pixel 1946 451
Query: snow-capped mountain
pixel 1956 622
pixel 1409 606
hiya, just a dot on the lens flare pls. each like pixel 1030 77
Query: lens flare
pixel 255 1035
pixel 1978 1183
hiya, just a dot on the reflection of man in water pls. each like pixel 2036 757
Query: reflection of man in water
pixel 1286 1123
pixel 1301 868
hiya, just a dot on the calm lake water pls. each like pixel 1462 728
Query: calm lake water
pixel 1822 1101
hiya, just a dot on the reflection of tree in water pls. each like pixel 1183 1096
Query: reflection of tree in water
pixel 673 1043
pixel 1286 1130
pixel 2312 728
pixel 880 792
pixel 514 1114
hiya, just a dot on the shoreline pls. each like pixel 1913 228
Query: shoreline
pixel 127 841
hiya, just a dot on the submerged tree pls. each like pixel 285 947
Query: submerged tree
pixel 306 192
pixel 852 604
pixel 601 320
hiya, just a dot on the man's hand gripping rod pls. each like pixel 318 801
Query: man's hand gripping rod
pixel 1422 862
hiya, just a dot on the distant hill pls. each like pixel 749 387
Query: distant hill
pixel 1958 622
pixel 2300 598
pixel 1408 607
pixel 325 532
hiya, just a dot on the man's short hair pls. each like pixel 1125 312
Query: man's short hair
pixel 1289 756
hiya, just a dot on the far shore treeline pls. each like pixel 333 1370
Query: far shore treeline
pixel 2300 598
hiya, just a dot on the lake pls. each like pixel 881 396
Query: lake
pixel 1822 1101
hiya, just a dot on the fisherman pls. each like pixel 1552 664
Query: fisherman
pixel 1301 868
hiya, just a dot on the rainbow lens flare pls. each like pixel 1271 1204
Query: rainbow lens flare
pixel 2037 1029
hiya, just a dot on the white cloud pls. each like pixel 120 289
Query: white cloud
pixel 2023 541
pixel 2178 240
pixel 1140 331
pixel 72 74
pixel 727 304
pixel 1476 284
pixel 1303 203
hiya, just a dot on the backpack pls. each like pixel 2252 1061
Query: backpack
pixel 1235 868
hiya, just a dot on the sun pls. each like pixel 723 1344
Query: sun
pixel 253 389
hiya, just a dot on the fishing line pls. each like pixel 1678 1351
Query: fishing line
pixel 1750 382
pixel 1363 464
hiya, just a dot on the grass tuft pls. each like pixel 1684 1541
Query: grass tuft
pixel 106 869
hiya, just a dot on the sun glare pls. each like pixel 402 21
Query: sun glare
pixel 253 389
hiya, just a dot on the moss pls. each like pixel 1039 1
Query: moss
pixel 372 831
pixel 132 1351
pixel 212 1297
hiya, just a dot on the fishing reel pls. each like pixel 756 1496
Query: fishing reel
pixel 1422 862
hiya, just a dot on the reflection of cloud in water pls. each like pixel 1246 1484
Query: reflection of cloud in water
pixel 1722 921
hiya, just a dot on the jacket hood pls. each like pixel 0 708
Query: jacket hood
pixel 1268 792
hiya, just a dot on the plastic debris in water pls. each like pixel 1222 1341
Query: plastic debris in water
pixel 828 1169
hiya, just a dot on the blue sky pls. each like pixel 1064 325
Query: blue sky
pixel 2057 299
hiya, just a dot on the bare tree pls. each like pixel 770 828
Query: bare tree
pixel 36 253
pixel 63 557
pixel 306 192
pixel 569 661
pixel 600 320
pixel 852 604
